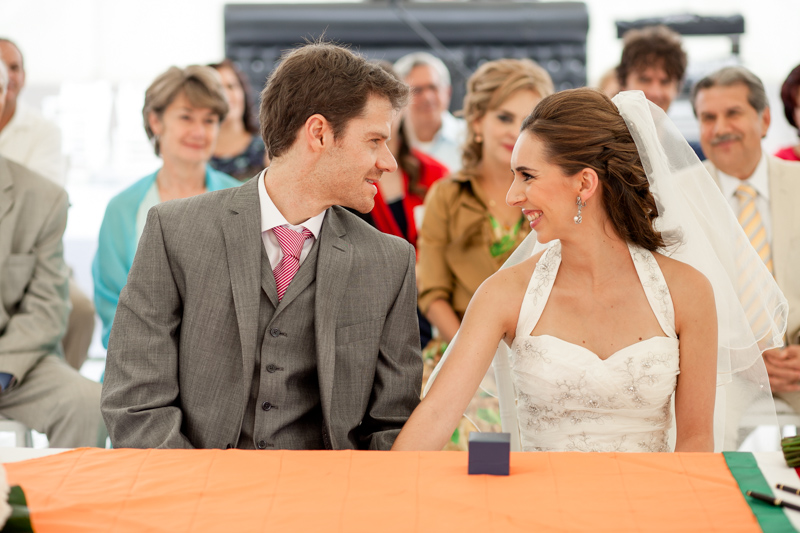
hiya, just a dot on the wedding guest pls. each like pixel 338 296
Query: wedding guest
pixel 29 139
pixel 733 111
pixel 240 150
pixel 26 137
pixel 790 90
pixel 183 109
pixel 431 127
pixel 37 387
pixel 653 61
pixel 623 299
pixel 468 231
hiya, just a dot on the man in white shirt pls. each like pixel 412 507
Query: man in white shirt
pixel 29 139
pixel 732 108
pixel 26 137
pixel 431 128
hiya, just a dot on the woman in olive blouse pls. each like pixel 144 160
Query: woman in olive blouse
pixel 468 230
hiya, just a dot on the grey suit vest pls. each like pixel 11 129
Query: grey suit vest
pixel 284 411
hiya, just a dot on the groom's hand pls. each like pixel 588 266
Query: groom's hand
pixel 783 367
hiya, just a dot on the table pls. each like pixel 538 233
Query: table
pixel 221 490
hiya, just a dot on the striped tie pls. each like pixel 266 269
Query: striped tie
pixel 292 245
pixel 753 226
pixel 748 289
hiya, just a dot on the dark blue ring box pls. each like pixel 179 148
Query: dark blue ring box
pixel 489 453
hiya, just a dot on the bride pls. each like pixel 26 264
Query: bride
pixel 629 301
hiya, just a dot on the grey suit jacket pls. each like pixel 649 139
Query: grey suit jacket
pixel 784 193
pixel 33 275
pixel 184 340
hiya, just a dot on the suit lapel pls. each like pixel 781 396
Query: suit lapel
pixel 333 266
pixel 780 207
pixel 6 188
pixel 241 228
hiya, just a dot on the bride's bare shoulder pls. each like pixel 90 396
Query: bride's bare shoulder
pixel 499 298
pixel 512 281
pixel 686 283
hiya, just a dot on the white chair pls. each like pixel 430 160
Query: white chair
pixel 22 433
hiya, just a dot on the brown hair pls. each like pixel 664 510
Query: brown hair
pixel 201 85
pixel 789 95
pixel 653 46
pixel 322 78
pixel 248 116
pixel 730 76
pixel 582 128
pixel 488 88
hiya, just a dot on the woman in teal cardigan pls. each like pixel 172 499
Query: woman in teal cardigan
pixel 182 112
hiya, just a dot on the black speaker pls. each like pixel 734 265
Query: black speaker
pixel 553 34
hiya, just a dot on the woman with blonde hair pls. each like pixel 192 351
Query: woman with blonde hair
pixel 182 112
pixel 468 231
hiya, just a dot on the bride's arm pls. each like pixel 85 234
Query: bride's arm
pixel 696 325
pixel 490 317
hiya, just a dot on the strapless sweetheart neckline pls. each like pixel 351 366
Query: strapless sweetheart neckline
pixel 567 398
pixel 594 354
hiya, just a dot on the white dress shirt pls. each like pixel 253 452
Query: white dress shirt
pixel 34 142
pixel 446 144
pixel 760 182
pixel 272 217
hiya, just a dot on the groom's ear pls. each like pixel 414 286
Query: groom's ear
pixel 588 183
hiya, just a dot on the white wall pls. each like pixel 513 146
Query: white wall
pixel 118 40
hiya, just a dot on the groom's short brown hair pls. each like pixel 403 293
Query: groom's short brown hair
pixel 321 78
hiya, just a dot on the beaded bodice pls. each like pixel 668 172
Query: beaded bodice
pixel 568 399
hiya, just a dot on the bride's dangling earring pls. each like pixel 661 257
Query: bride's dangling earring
pixel 578 218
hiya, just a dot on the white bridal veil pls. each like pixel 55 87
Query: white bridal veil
pixel 703 232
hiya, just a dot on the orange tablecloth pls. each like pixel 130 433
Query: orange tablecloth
pixel 91 490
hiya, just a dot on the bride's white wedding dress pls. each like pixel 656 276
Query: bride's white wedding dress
pixel 554 395
pixel 569 399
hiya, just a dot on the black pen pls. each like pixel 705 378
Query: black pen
pixel 781 486
pixel 772 501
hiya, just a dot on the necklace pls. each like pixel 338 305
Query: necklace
pixel 505 239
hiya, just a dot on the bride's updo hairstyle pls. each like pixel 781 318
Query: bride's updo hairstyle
pixel 581 128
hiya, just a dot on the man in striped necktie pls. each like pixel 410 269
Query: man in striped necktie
pixel 733 111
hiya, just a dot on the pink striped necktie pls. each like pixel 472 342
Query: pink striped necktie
pixel 292 245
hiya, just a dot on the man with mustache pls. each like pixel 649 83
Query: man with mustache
pixel 733 111
pixel 266 316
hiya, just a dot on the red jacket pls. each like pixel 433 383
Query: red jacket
pixel 430 170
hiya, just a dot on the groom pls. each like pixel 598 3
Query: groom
pixel 265 316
